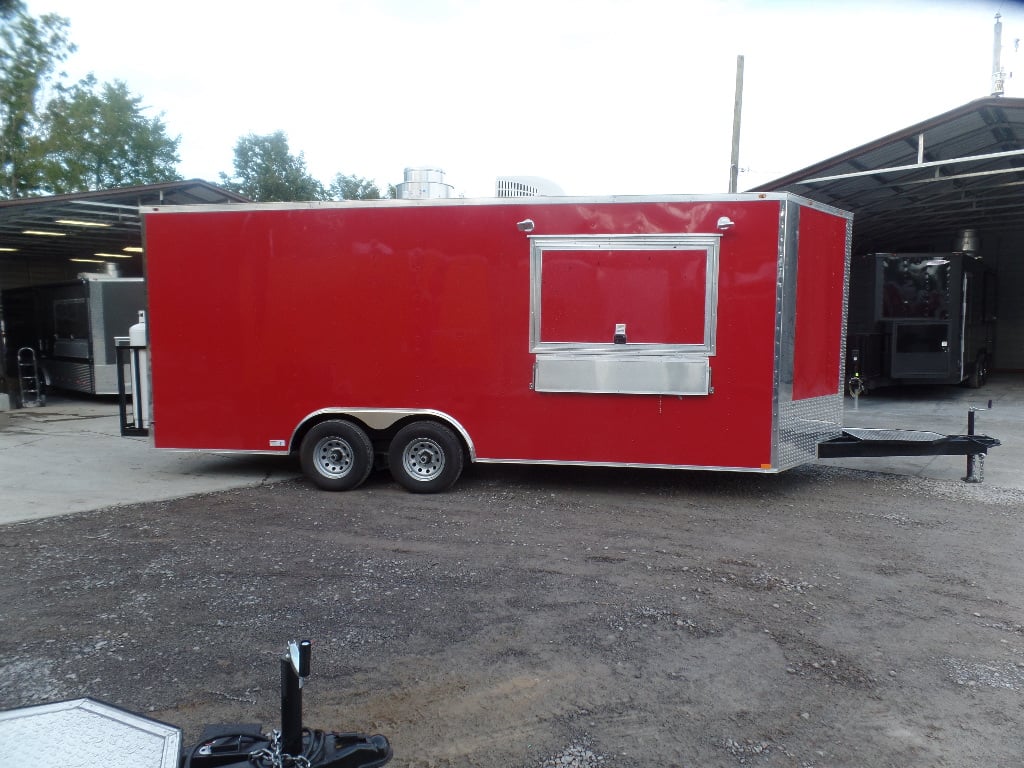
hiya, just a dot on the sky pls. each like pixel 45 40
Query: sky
pixel 602 97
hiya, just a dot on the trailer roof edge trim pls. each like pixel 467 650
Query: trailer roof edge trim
pixel 489 201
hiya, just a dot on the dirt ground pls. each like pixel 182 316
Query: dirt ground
pixel 551 616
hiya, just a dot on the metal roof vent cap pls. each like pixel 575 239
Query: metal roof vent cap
pixel 967 241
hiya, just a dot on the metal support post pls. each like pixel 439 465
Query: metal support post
pixel 294 671
pixel 737 111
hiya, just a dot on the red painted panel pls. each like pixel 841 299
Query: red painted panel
pixel 659 295
pixel 819 304
pixel 260 317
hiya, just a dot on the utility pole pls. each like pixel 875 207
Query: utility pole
pixel 998 75
pixel 734 166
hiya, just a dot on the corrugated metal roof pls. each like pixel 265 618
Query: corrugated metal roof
pixel 89 222
pixel 963 169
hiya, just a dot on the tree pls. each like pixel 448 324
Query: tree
pixel 266 171
pixel 30 51
pixel 85 137
pixel 354 188
pixel 97 137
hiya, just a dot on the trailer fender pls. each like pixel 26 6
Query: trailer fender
pixel 381 420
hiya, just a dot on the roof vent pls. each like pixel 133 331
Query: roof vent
pixel 967 241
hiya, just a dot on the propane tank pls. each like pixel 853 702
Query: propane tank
pixel 137 333
pixel 137 341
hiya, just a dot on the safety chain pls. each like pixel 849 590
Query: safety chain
pixel 273 757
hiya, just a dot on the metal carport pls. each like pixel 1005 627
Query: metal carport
pixel 40 236
pixel 913 190
pixel 47 240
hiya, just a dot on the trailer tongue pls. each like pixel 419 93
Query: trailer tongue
pixel 861 443
pixel 865 443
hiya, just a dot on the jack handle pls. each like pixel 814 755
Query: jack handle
pixel 299 655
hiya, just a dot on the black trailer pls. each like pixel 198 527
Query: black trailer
pixel 70 327
pixel 920 318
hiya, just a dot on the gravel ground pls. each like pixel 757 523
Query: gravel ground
pixel 549 617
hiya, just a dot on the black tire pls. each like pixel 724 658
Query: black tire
pixel 336 455
pixel 979 375
pixel 426 457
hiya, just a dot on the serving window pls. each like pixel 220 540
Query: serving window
pixel 627 314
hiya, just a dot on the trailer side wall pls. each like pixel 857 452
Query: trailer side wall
pixel 262 316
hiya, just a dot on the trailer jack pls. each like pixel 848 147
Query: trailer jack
pixel 293 746
pixel 975 461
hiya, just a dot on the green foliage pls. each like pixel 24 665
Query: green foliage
pixel 354 188
pixel 56 139
pixel 85 137
pixel 30 51
pixel 97 137
pixel 266 171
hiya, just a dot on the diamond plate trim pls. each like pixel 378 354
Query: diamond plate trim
pixel 906 435
pixel 85 733
pixel 805 423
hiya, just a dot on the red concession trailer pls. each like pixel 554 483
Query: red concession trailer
pixel 681 331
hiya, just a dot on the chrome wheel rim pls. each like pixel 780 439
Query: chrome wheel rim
pixel 423 459
pixel 333 457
